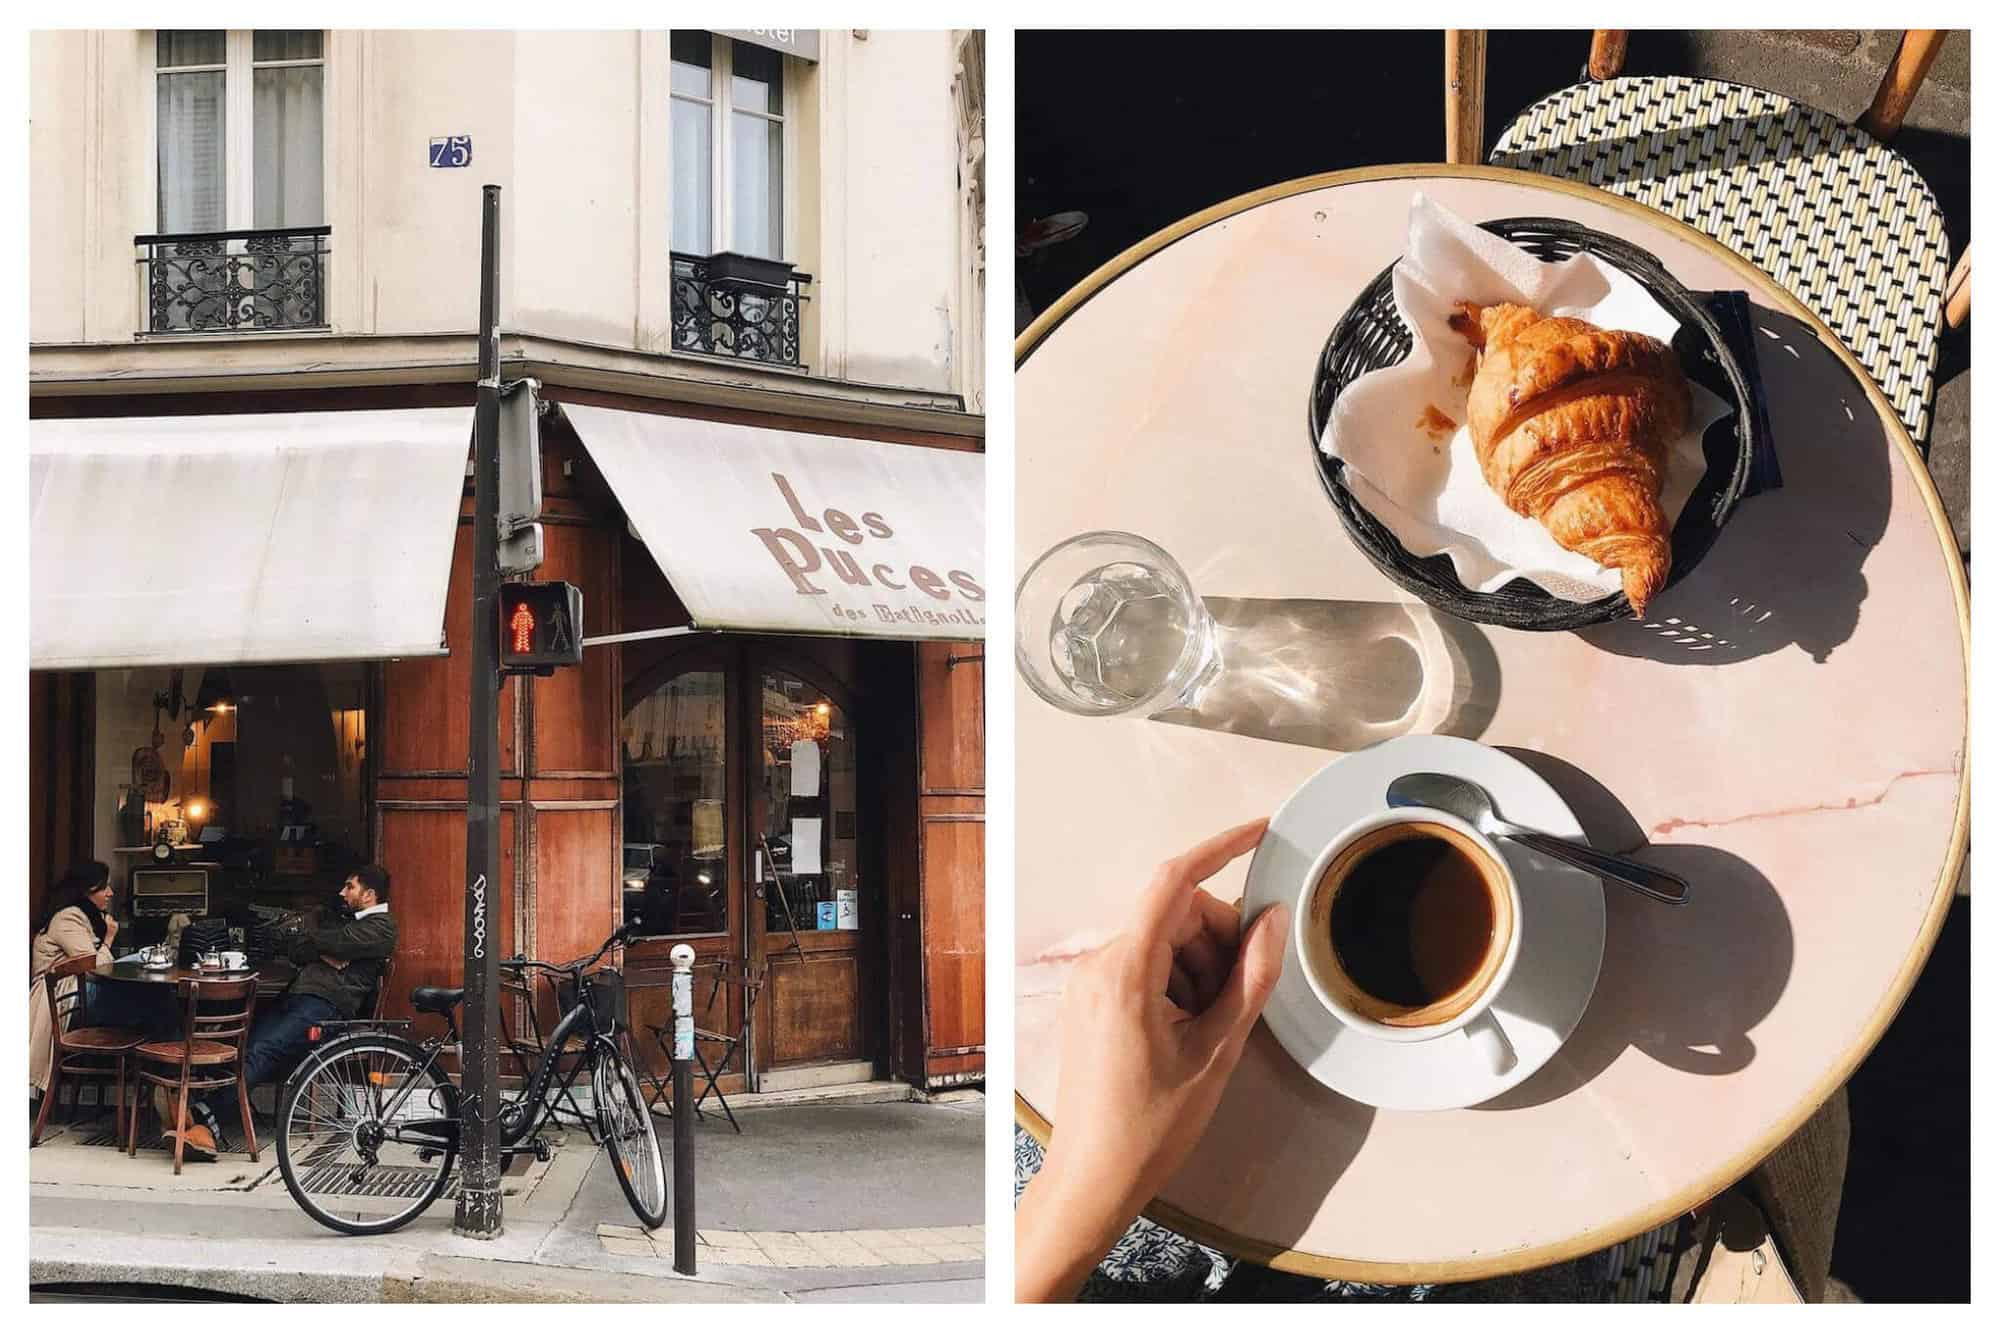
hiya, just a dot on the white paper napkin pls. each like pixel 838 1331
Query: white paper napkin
pixel 1423 483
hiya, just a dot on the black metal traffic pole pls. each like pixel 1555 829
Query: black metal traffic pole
pixel 478 1212
pixel 683 995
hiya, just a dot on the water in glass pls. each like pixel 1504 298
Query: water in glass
pixel 1118 635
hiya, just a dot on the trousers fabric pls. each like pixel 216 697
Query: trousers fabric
pixel 279 1040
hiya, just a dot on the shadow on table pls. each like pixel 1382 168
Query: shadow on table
pixel 1786 568
pixel 1684 985
pixel 1290 1189
pixel 1343 675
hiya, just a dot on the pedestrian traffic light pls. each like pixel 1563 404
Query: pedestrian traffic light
pixel 541 627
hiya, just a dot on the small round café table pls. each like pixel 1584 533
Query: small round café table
pixel 174 976
pixel 1786 729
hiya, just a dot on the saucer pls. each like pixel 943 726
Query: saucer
pixel 1562 932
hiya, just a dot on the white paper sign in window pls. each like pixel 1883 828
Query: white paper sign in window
pixel 805 847
pixel 805 768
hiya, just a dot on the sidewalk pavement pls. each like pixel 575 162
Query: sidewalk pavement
pixel 876 1202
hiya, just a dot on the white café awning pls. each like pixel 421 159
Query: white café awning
pixel 287 537
pixel 777 530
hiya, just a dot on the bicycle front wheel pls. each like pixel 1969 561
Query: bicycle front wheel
pixel 627 1127
pixel 367 1134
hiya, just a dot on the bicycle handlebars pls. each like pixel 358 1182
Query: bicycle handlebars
pixel 622 935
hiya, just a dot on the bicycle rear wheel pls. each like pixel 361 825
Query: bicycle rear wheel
pixel 629 1140
pixel 366 1134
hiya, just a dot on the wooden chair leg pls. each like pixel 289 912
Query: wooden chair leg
pixel 1905 75
pixel 118 1116
pixel 180 1126
pixel 1465 95
pixel 1607 53
pixel 48 1100
pixel 243 1104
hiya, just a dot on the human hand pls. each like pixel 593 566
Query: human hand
pixel 110 930
pixel 1155 1024
pixel 337 964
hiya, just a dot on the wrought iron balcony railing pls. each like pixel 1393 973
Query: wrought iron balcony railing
pixel 235 281
pixel 738 306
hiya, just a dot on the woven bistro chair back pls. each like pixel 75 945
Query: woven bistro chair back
pixel 1835 216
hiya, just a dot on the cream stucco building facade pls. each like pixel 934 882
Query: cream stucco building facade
pixel 246 245
pixel 882 150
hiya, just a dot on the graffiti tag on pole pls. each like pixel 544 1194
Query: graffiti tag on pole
pixel 479 917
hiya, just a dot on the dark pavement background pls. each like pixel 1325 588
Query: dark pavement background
pixel 1141 129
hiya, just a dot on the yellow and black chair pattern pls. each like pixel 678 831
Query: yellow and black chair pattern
pixel 1840 221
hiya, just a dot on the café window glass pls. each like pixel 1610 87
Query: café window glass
pixel 256 774
pixel 676 879
pixel 727 151
pixel 807 801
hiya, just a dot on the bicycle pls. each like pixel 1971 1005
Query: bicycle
pixel 369 1126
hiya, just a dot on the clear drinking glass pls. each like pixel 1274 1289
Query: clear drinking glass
pixel 1106 623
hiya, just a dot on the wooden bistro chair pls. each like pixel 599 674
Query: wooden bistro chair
pixel 1835 216
pixel 215 1027
pixel 80 1053
pixel 747 982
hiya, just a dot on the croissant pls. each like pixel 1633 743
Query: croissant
pixel 1572 424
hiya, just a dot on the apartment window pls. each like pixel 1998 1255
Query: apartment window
pixel 241 129
pixel 734 293
pixel 728 152
pixel 240 135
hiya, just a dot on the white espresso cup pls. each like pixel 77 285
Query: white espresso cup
pixel 1417 945
pixel 234 960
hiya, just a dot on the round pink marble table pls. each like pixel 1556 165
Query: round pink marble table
pixel 1787 730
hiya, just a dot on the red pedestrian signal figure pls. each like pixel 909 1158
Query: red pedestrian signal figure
pixel 539 624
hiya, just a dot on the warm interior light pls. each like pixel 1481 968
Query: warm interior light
pixel 823 709
pixel 197 810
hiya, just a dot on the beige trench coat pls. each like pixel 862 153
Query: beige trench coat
pixel 68 936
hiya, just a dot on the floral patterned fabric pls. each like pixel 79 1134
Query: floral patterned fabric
pixel 1152 1263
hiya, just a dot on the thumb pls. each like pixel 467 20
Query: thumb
pixel 1251 981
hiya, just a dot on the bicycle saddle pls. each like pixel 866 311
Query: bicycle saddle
pixel 436 999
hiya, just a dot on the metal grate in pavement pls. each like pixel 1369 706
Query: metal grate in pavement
pixel 380 1182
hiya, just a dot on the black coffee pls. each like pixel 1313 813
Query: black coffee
pixel 1413 921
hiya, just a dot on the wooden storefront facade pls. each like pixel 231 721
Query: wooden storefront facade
pixel 899 993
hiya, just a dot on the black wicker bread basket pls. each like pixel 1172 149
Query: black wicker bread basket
pixel 1371 336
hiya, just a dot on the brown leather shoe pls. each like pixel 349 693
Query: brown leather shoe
pixel 199 1144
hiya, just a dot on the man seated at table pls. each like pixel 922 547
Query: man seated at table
pixel 340 967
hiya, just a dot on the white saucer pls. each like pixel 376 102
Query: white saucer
pixel 1562 932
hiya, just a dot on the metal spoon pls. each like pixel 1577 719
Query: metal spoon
pixel 1474 804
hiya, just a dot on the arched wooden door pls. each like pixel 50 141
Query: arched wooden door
pixel 746 820
pixel 813 919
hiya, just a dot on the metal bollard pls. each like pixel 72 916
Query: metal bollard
pixel 683 964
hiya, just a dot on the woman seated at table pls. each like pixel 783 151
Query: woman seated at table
pixel 74 923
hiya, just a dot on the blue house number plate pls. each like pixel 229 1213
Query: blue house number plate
pixel 454 150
